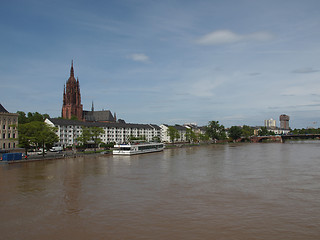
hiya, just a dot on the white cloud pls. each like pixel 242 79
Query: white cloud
pixel 139 57
pixel 226 36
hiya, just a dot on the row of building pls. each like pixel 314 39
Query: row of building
pixel 114 130
pixel 69 130
pixel 272 124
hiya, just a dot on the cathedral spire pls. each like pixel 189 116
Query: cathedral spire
pixel 71 98
pixel 92 108
pixel 71 70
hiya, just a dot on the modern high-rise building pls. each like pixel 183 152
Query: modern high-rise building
pixel 72 98
pixel 284 121
pixel 270 123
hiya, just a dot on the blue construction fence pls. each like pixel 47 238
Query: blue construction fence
pixel 11 156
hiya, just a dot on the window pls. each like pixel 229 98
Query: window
pixel 4 127
pixel 4 136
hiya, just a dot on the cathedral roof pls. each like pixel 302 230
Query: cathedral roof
pixel 98 116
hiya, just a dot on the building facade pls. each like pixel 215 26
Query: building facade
pixel 284 121
pixel 165 137
pixel 270 123
pixel 69 131
pixel 8 131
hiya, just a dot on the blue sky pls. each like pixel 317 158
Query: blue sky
pixel 234 61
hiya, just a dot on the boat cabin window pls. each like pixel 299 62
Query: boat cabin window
pixel 125 148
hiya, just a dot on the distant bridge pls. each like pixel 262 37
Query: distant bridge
pixel 283 138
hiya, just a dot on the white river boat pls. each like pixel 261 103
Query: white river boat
pixel 137 148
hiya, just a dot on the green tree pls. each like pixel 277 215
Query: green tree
pixel 306 131
pixel 38 134
pixel 265 132
pixel 95 135
pixel 91 134
pixel 216 131
pixel 22 118
pixel 31 117
pixel 191 136
pixel 173 133
pixel 203 137
pixel 26 136
pixel 247 131
pixel 85 136
pixel 235 132
pixel 46 136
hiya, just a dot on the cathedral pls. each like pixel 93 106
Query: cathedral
pixel 72 106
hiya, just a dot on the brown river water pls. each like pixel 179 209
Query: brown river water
pixel 241 191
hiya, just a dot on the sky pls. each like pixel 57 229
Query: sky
pixel 238 62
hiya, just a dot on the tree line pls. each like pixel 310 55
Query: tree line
pixel 35 133
pixel 306 131
pixel 217 132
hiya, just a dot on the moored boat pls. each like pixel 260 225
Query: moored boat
pixel 137 148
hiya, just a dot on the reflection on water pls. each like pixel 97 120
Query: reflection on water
pixel 241 191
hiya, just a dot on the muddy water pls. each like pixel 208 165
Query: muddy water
pixel 246 191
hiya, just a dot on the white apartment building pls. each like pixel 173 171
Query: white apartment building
pixel 165 136
pixel 182 130
pixel 69 130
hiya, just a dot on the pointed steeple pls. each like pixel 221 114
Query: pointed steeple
pixel 72 98
pixel 92 108
pixel 71 70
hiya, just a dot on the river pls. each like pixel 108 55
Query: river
pixel 232 191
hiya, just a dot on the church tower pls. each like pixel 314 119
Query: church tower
pixel 72 98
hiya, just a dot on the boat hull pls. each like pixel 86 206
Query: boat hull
pixel 137 149
pixel 117 152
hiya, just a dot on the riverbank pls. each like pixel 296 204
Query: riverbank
pixel 70 154
pixel 56 156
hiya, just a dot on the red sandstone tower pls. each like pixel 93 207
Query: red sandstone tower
pixel 72 98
